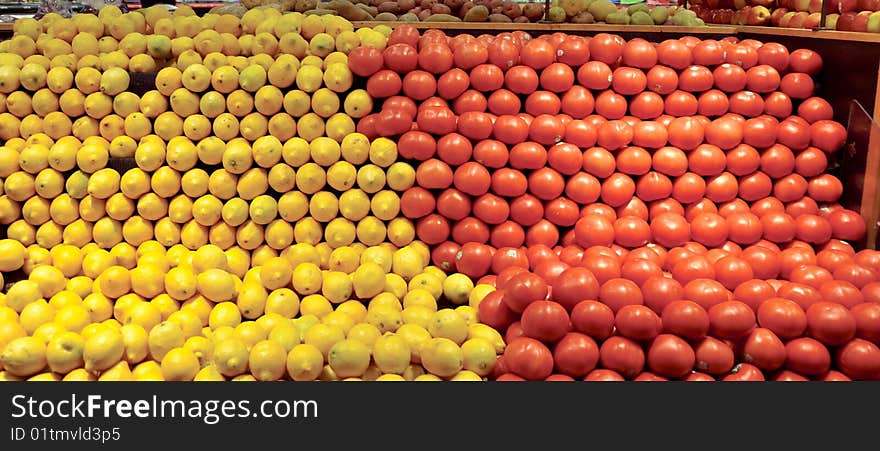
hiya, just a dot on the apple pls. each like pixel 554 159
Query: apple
pixel 845 6
pixel 815 6
pixel 758 15
pixel 770 4
pixel 798 20
pixel 776 16
pixel 740 4
pixel 725 16
pixel 813 20
pixel 787 4
pixel 845 22
pixel 785 20
pixel 873 22
pixel 831 21
pixel 801 5
pixel 860 23
pixel 869 5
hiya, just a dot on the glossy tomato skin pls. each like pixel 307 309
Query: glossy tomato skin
pixel 529 358
pixel 603 375
pixel 670 356
pixel 764 349
pixel 784 317
pixel 831 323
pixel 546 321
pixel 731 320
pixel 474 259
pixel 593 319
pixel 859 359
pixel 574 285
pixel 637 322
pixel 623 356
pixel 807 356
pixel 713 356
pixel 744 372
pixel 523 289
pixel 685 319
pixel 493 311
pixel 867 317
pixel 576 354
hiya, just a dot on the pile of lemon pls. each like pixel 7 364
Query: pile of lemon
pixel 254 234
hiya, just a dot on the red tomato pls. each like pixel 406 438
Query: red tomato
pixel 528 155
pixel 611 105
pixel 453 204
pixel 523 289
pixel 802 295
pixel 419 85
pixel 417 202
pixel 491 209
pixel 526 210
pixel 384 83
pixel 443 255
pixel 794 133
pixel 830 323
pixel 731 320
pixel 681 104
pixel 595 75
pixel 797 85
pixel 521 80
pixel 472 178
pixel 543 232
pixel 546 129
pixel 469 101
pixel 764 349
pixel 618 189
pixel 603 375
pixel 671 356
pixel 713 356
pixel 744 372
pixel 746 103
pixel 710 229
pixel 622 355
pixel 813 109
pixel 744 228
pixel 805 60
pixel 639 53
pixel 474 259
pixel 631 231
pixel 685 133
pixel 784 317
pixel 490 153
pixel 671 161
pixel 617 293
pixel 733 271
pixel 633 160
pixel 575 355
pixel 778 227
pixel 708 52
pixel 433 229
pixel 493 311
pixel 754 292
pixel 504 53
pixel 628 81
pixel 508 257
pixel 707 160
pixel 538 54
pixel 807 356
pixel 604 267
pixel 454 149
pixel 546 183
pixel 510 129
pixel 859 359
pixel 827 135
pixel 661 80
pixel 529 358
pixel 599 162
pixel 550 270
pixel 724 132
pixel 562 212
pixel 762 78
pixel 867 316
pixel 565 158
pixel 637 322
pixel 847 225
pixel 573 50
pixel 546 321
pixel 557 77
pixel 574 285
pixel 685 319
pixel 760 131
pixel 507 234
pixel 773 54
pixel 487 77
pixel 607 48
pixel 640 269
pixel 647 105
pixel 593 230
pixel 658 292
pixel 434 174
pixel 593 318
pixel 712 103
pixel 742 55
pixel 699 377
pixel 789 376
pixel 502 102
pixel 705 292
pixel 470 55
pixel 366 61
pixel 401 58
pixel 674 53
pixel 583 188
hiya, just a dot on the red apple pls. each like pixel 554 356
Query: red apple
pixel 869 5
pixel 785 20
pixel 787 4
pixel 770 4
pixel 740 4
pixel 845 22
pixel 813 20
pixel 798 20
pixel 758 15
pixel 801 5
pixel 776 16
pixel 845 6
pixel 724 16
pixel 815 6
pixel 831 21
pixel 860 23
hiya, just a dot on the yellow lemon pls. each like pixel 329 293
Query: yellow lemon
pixel 180 364
pixel 267 360
pixel 441 357
pixel 349 358
pixel 391 354
pixel 305 362
pixel 103 349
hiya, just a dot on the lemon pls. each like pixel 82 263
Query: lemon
pixel 421 297
pixel 21 294
pixel 447 323
pixel 64 353
pixel 103 349
pixel 354 204
pixel 10 330
pixel 415 336
pixel 79 375
pixel 407 263
pixel 349 358
pixel 391 354
pixel 209 373
pixel 73 317
pixel 385 300
pixel 251 301
pixel 250 332
pixel 285 334
pixel 479 356
pixel 216 285
pixel 441 357
pixel 385 319
pixel 180 364
pixel 417 314
pixel 147 371
pixel 119 372
pixel 230 357
pixel 323 337
pixel 267 360
pixel 478 293
pixel 368 280
pixel 307 278
pixel 99 307
pixel 358 104
pixel 12 254
pixel 135 339
pixel 365 333
pixel 457 288
pixel 166 336
pixel 336 286
pixel 304 362
pixel 224 314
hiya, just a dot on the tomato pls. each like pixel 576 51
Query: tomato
pixel 433 229
pixel 607 48
pixel 557 77
pixel 470 55
pixel 830 323
pixel 417 202
pixel 611 105
pixel 595 75
pixel 805 60
pixel 493 311
pixel 628 80
pixel 712 103
pixel 576 354
pixel 622 355
pixel 603 375
pixel 546 321
pixel 401 58
pixel 368 60
pixel 754 292
pixel 546 129
pixel 454 149
pixel 778 227
pixel 419 85
pixel 859 359
pixel 546 184
pixel 746 103
pixel 474 259
pixel 453 204
pixel 670 356
pixel 521 80
pixel 639 53
pixel 713 356
pixel 434 174
pixel 562 212
pixel 797 85
pixel 681 104
pixel 526 210
pixel 472 178
pixel 807 356
pixel 802 295
pixel 685 133
pixel 550 270
pixel 759 132
pixel 538 54
pixel 574 285
pixel 631 231
pixel 528 155
pixel 469 101
pixel 827 135
pixel 510 129
pixel 674 53
pixel 764 349
pixel 744 228
pixel 731 320
pixel 867 316
pixel 634 207
pixel 507 257
pixel 647 105
pixel 724 132
pixel 604 267
pixel 487 77
pixel 794 134
pixel 504 53
pixel 744 372
pixel 507 234
pixel 708 52
pixel 593 319
pixel 618 189
pixel 847 225
pixel 583 188
pixel 529 358
pixel 637 322
pixel 815 109
pixel 523 289
pixel 709 228
pixel 639 269
pixel 782 316
pixel 491 209
pixel 504 102
pixel 617 293
pixel 733 271
pixel 762 78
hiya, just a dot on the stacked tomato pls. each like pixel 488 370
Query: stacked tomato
pixel 645 210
